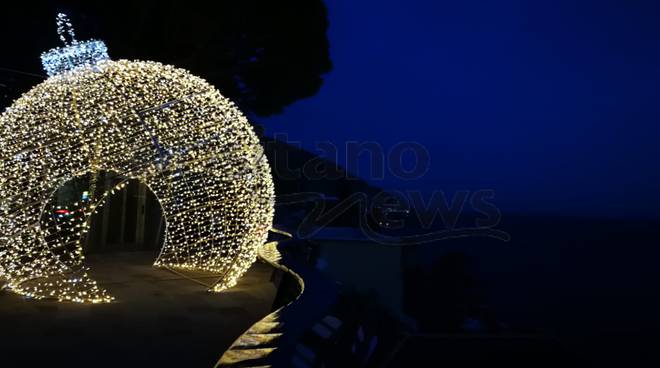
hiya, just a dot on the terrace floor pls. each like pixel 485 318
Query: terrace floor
pixel 160 319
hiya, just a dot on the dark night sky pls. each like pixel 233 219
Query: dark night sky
pixel 553 104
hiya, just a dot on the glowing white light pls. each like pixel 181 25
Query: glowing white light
pixel 74 53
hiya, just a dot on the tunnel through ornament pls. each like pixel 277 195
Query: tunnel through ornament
pixel 143 121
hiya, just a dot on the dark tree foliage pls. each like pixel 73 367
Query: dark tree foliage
pixel 264 55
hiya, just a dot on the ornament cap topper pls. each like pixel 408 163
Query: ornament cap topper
pixel 74 53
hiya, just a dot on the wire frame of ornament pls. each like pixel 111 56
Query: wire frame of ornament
pixel 144 121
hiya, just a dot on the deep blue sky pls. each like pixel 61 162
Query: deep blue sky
pixel 553 104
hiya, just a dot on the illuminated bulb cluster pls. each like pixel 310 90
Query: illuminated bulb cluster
pixel 75 53
pixel 141 120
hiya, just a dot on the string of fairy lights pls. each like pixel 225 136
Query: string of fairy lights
pixel 143 121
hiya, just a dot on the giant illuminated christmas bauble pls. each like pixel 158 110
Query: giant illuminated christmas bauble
pixel 143 121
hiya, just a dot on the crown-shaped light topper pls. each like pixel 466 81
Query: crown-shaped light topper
pixel 74 53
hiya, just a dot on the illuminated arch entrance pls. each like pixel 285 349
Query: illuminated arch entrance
pixel 130 220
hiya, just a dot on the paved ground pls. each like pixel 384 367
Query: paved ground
pixel 159 320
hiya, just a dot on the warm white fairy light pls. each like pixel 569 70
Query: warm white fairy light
pixel 145 121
